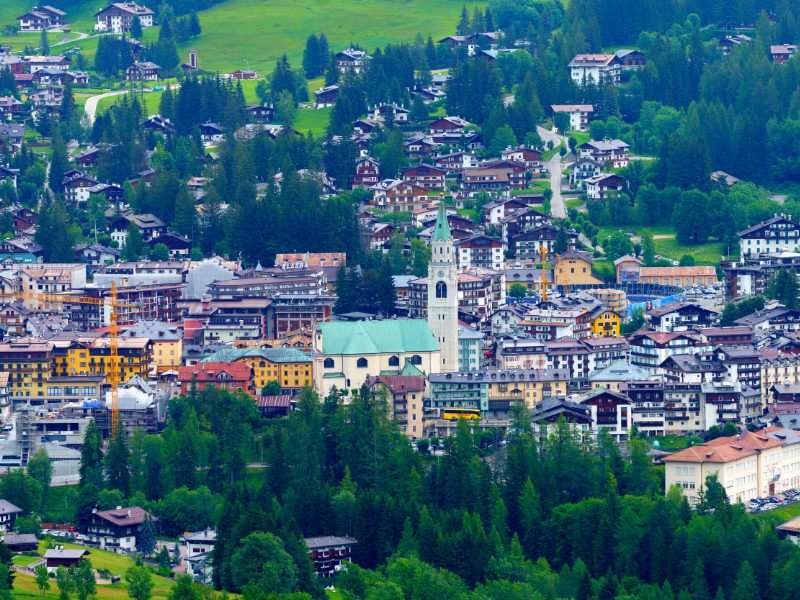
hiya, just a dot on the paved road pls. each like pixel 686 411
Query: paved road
pixel 91 103
pixel 557 207
pixel 81 36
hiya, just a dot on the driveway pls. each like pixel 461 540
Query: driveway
pixel 558 209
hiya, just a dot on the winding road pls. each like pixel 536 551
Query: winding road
pixel 90 108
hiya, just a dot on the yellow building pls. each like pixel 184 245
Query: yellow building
pixel 290 368
pixel 574 268
pixel 166 341
pixel 29 366
pixel 89 356
pixel 607 323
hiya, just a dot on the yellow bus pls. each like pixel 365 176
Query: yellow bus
pixel 453 414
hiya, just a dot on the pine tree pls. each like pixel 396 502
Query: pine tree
pixel 185 220
pixel 195 28
pixel 44 44
pixel 745 586
pixel 463 23
pixel 117 462
pixel 67 109
pixel 54 233
pixel 146 540
pixel 59 162
pixel 91 469
pixel 393 157
pixel 331 72
pixel 134 244
pixel 136 28
pixel 419 110
pixel 324 54
pixel 311 55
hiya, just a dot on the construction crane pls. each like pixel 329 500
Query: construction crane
pixel 543 252
pixel 113 372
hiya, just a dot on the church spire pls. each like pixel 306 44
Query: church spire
pixel 441 232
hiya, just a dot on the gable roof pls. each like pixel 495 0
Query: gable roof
pixel 123 517
pixel 6 508
pixel 376 337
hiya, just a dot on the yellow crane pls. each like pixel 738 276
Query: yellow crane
pixel 113 372
pixel 543 252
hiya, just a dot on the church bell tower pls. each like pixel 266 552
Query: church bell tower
pixel 443 292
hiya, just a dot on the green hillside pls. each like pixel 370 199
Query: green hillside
pixel 78 19
pixel 254 33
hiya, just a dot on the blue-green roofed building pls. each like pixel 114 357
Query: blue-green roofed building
pixel 347 352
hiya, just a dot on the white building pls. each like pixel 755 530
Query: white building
pixel 595 68
pixel 118 17
pixel 780 233
pixel 748 465
pixel 579 115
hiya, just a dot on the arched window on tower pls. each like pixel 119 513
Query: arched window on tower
pixel 441 289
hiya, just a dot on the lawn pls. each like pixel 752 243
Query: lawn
pixel 150 100
pixel 709 253
pixel 575 203
pixel 313 120
pixel 240 34
pixel 116 564
pixel 782 514
pixel 580 136
pixel 23 561
pixel 673 443
pixel 704 254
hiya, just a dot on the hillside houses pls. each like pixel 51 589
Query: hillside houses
pixel 118 17
pixel 612 153
pixel 41 18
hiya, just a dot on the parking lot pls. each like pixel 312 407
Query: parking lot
pixel 758 505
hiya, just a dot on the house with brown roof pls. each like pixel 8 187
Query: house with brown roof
pixel 595 68
pixel 116 529
pixel 396 195
pixel 404 398
pixel 118 17
pixel 41 18
pixel 574 267
pixel 782 52
pixel 426 176
pixel 748 465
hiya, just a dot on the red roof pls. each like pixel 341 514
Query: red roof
pixel 213 372
pixel 399 384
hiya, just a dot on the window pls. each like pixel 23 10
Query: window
pixel 394 361
pixel 441 289
pixel 328 364
pixel 415 360
pixel 362 363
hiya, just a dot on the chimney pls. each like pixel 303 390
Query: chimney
pixel 129 513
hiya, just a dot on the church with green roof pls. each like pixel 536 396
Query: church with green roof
pixel 347 352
